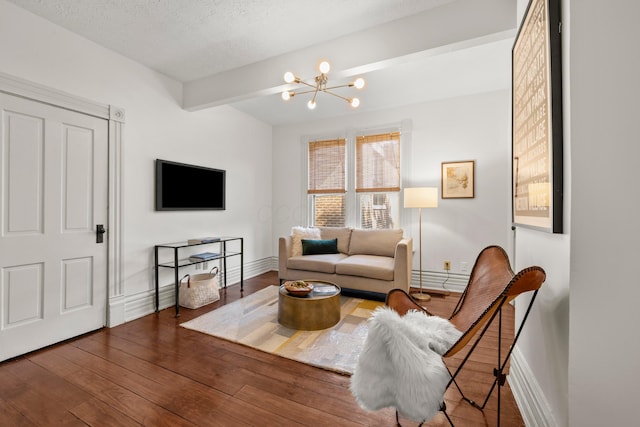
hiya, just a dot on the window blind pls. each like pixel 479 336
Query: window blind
pixel 327 166
pixel 378 162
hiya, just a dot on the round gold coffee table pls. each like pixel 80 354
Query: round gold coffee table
pixel 318 310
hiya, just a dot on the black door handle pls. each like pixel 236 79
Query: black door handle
pixel 99 233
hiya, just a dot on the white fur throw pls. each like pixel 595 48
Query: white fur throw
pixel 401 363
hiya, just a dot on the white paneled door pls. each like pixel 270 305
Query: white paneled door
pixel 53 195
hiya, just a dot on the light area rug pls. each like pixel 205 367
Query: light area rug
pixel 253 321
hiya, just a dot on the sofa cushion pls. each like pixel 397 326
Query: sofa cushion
pixel 320 263
pixel 371 266
pixel 343 234
pixel 319 247
pixel 299 233
pixel 374 242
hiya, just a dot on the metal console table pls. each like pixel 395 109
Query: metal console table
pixel 177 263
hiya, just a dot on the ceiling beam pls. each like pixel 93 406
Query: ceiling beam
pixel 456 25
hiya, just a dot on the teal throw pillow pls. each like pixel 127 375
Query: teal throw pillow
pixel 319 247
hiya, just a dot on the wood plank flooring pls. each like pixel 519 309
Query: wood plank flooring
pixel 152 372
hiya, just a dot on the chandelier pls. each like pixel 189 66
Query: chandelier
pixel 320 85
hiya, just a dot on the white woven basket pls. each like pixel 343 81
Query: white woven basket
pixel 199 289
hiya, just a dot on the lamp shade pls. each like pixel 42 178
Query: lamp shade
pixel 421 197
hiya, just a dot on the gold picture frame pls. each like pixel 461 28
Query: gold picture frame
pixel 458 180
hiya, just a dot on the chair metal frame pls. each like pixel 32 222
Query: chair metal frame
pixel 493 282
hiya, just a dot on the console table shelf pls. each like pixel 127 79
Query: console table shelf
pixel 176 263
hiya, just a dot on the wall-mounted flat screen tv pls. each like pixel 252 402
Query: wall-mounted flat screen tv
pixel 188 187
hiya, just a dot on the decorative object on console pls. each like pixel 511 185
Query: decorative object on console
pixel 458 180
pixel 203 240
pixel 204 256
pixel 320 85
pixel 421 197
pixel 200 289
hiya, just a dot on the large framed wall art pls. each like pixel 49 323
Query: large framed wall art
pixel 537 119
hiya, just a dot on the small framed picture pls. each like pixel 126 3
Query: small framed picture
pixel 458 180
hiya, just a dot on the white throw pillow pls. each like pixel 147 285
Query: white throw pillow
pixel 299 233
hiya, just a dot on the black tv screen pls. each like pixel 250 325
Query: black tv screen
pixel 188 187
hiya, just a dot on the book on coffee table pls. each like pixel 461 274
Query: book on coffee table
pixel 321 289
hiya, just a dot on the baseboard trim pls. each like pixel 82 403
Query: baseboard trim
pixel 142 304
pixel 532 403
pixel 115 314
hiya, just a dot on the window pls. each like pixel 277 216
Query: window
pixel 377 179
pixel 365 195
pixel 327 182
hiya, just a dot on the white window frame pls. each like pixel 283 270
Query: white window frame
pixel 352 218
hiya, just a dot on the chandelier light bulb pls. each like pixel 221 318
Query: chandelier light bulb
pixel 319 84
pixel 289 77
pixel 324 67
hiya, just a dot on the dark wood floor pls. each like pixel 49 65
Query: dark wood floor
pixel 151 372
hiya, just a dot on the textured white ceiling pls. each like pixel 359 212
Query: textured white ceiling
pixel 235 51
pixel 190 39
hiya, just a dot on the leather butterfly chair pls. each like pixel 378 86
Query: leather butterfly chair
pixel 492 284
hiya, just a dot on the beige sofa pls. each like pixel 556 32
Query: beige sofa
pixel 366 260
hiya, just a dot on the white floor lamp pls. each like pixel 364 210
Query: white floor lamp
pixel 421 197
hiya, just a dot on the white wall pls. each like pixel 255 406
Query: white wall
pixel 544 343
pixel 466 128
pixel 582 344
pixel 156 127
pixel 604 362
